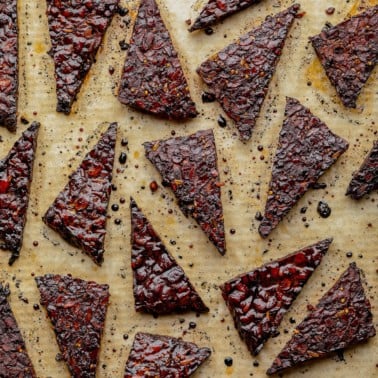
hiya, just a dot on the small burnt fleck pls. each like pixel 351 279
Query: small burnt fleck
pixel 323 209
pixel 222 121
pixel 122 158
pixel 207 97
pixel 228 361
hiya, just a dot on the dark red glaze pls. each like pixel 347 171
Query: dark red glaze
pixel 259 299
pixel 152 78
pixel 16 171
pixel 77 28
pixel 14 359
pixel 348 53
pixel 160 284
pixel 188 165
pixel 217 10
pixel 77 310
pixel 341 319
pixel 239 75
pixel 365 180
pixel 8 64
pixel 163 357
pixel 306 149
pixel 78 213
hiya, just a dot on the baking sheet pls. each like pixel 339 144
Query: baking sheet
pixel 63 141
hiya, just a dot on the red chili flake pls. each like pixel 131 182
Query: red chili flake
pixel 77 310
pixel 217 10
pixel 365 180
pixel 16 171
pixel 160 284
pixel 163 356
pixel 259 299
pixel 9 64
pixel 14 359
pixel 79 212
pixel 239 75
pixel 76 32
pixel 348 53
pixel 341 319
pixel 152 78
pixel 188 165
pixel 306 149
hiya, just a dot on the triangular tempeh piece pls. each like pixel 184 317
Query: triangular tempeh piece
pixel 79 212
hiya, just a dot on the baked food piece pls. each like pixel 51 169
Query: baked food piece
pixel 341 319
pixel 188 165
pixel 77 310
pixel 14 359
pixel 306 149
pixel 160 284
pixel 8 64
pixel 348 53
pixel 16 171
pixel 365 180
pixel 217 10
pixel 239 75
pixel 163 357
pixel 259 299
pixel 79 211
pixel 152 78
pixel 76 28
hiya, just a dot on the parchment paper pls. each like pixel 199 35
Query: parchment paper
pixel 63 141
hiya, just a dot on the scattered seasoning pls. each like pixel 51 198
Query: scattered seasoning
pixel 122 158
pixel 188 165
pixel 79 220
pixel 168 289
pixel 283 277
pixel 207 97
pixel 15 179
pixel 77 311
pixel 123 45
pixel 327 328
pixel 330 11
pixel 239 75
pixel 154 186
pixel 323 209
pixel 228 361
pixel 348 53
pixel 365 180
pixel 307 147
pixel 177 357
pixel 222 121
pixel 215 11
pixel 83 35
pixel 152 79
pixel 9 65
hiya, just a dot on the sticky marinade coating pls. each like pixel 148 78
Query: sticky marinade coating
pixel 348 53
pixel 16 171
pixel 8 64
pixel 217 10
pixel 160 285
pixel 77 310
pixel 306 149
pixel 365 180
pixel 79 212
pixel 239 75
pixel 77 28
pixel 14 360
pixel 163 357
pixel 341 319
pixel 188 165
pixel 259 299
pixel 152 78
